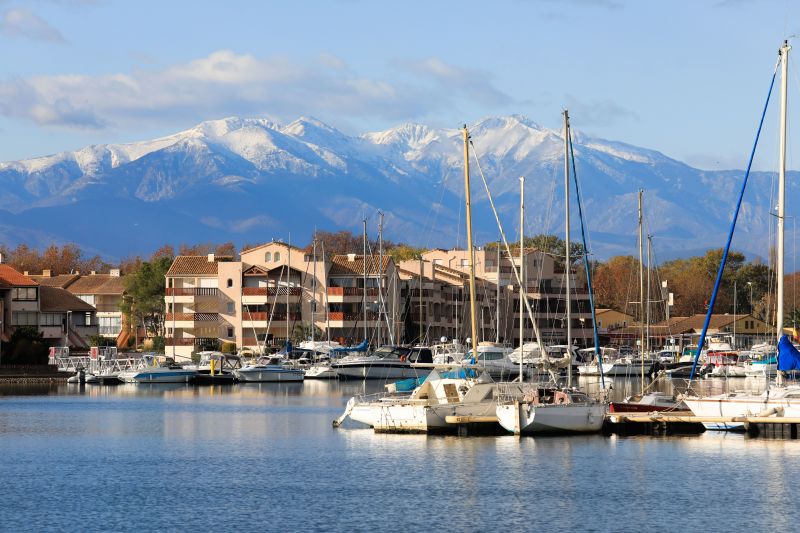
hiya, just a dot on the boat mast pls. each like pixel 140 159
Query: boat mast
pixel 470 248
pixel 641 290
pixel 364 292
pixel 314 290
pixel 380 274
pixel 288 287
pixel 522 286
pixel 567 262
pixel 647 314
pixel 784 52
pixel 327 313
pixel 497 299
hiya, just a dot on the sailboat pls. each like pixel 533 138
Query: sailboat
pixel 455 393
pixel 549 409
pixel 776 400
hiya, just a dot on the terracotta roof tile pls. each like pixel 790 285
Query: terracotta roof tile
pixel 12 278
pixel 187 265
pixel 97 284
pixel 342 266
pixel 54 299
pixel 61 280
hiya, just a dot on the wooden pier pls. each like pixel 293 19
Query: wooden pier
pixel 656 424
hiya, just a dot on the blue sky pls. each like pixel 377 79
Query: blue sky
pixel 684 77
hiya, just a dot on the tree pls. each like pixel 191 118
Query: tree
pixel 404 252
pixel 25 347
pixel 143 302
pixel 549 244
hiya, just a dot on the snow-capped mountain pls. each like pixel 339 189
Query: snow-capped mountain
pixel 249 180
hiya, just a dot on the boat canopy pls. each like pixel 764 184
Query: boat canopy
pixel 788 356
pixel 359 348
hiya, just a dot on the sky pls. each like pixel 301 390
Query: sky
pixel 687 78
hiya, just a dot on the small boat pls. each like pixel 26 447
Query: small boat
pixel 103 378
pixel 494 359
pixel 547 410
pixel 653 401
pixel 387 362
pixel 269 369
pixel 217 368
pixel 150 371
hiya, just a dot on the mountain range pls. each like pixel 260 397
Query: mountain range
pixel 252 180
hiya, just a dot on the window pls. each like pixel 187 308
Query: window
pixel 268 257
pixel 230 309
pixel 437 262
pixel 230 332
pixel 490 262
pixel 465 262
pixel 51 319
pixel 24 318
pixel 230 283
pixel 109 325
pixel 88 298
pixel 87 319
pixel 277 256
pixel 23 293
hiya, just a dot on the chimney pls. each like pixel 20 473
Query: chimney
pixel 1 258
pixel 46 273
pixel 114 272
pixel 25 272
pixel 93 273
pixel 210 258
pixel 351 258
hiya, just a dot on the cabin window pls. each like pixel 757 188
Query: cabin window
pixel 268 257
pixel 230 283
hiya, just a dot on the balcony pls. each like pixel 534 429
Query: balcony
pixel 264 317
pixel 191 317
pixel 339 316
pixel 352 291
pixel 191 291
pixel 189 341
pixel 272 291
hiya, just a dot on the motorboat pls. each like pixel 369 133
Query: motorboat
pixel 269 369
pixel 426 408
pixel 446 353
pixel 386 362
pixel 548 410
pixel 727 364
pixel 494 359
pixel 650 402
pixel 149 370
pixel 217 368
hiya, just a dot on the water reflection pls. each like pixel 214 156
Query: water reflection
pixel 262 447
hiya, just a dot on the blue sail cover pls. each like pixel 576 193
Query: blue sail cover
pixel 788 356
pixel 360 348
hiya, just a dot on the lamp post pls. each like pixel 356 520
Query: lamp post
pixel 750 283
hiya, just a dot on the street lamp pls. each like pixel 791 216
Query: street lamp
pixel 750 283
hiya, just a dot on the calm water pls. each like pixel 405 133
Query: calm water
pixel 264 457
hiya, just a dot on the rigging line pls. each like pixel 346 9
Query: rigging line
pixel 585 263
pixel 730 233
pixel 508 250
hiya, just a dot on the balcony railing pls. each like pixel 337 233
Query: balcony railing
pixel 261 316
pixel 189 341
pixel 191 291
pixel 192 317
pixel 337 316
pixel 272 291
pixel 352 291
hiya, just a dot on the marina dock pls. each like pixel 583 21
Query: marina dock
pixel 655 424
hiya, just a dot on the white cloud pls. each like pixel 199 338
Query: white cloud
pixel 20 22
pixel 227 83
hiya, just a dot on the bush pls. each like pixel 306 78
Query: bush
pixel 99 340
pixel 159 344
pixel 25 347
pixel 228 347
pixel 130 342
pixel 148 345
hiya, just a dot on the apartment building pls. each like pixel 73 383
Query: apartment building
pixel 102 291
pixel 62 318
pixel 544 285
pixel 274 292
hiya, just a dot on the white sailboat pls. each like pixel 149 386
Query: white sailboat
pixel 776 400
pixel 548 409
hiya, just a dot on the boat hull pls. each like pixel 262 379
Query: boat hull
pixel 268 375
pixel 377 371
pixel 408 417
pixel 321 372
pixel 153 376
pixel 531 419
pixel 732 407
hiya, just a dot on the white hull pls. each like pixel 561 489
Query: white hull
pixel 531 419
pixel 731 406
pixel 262 375
pixel 400 417
pixel 729 371
pixel 157 375
pixel 321 372
pixel 377 371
